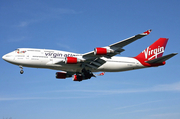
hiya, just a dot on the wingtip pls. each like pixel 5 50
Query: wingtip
pixel 175 53
pixel 147 32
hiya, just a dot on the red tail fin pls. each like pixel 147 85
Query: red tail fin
pixel 153 51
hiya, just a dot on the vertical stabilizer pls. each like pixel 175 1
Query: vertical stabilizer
pixel 155 50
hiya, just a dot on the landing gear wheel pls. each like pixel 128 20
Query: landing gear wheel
pixel 21 72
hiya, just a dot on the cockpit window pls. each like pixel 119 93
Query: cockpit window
pixel 16 50
pixel 20 51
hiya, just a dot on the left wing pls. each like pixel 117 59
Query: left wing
pixel 115 48
pixel 92 59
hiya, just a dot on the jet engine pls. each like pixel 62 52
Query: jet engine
pixel 102 51
pixel 72 60
pixel 62 75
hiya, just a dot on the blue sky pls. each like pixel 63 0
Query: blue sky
pixel 80 26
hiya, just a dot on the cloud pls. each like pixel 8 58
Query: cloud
pixel 46 14
pixel 64 11
pixel 16 39
pixel 167 87
pixel 139 104
pixel 96 93
pixel 157 88
pixel 144 103
pixel 143 110
pixel 23 24
pixel 167 115
pixel 27 23
pixel 38 98
pixel 66 47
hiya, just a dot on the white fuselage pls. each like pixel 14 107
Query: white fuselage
pixel 54 59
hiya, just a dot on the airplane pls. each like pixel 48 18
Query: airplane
pixel 101 59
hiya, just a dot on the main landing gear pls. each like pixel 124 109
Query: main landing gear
pixel 87 73
pixel 21 71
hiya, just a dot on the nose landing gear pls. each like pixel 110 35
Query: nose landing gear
pixel 21 71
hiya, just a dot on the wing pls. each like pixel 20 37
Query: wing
pixel 93 59
pixel 115 48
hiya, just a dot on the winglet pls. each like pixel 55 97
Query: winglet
pixel 147 32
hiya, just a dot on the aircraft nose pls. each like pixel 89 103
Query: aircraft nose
pixel 8 57
pixel 3 57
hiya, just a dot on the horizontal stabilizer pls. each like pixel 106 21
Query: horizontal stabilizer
pixel 161 59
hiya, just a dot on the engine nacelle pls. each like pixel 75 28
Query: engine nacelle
pixel 102 51
pixel 61 75
pixel 72 60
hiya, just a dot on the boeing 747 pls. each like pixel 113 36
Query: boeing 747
pixel 101 59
